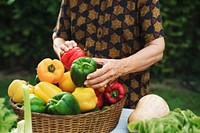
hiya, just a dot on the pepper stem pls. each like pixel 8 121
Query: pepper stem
pixel 54 100
pixel 114 93
pixel 86 64
pixel 51 68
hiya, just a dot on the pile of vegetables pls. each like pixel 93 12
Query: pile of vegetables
pixel 60 90
pixel 152 115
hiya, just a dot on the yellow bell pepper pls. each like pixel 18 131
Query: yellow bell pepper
pixel 46 90
pixel 66 83
pixel 86 98
pixel 15 90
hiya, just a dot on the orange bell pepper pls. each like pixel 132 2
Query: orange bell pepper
pixel 49 70
pixel 66 83
pixel 102 89
pixel 15 90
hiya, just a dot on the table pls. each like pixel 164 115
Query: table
pixel 122 124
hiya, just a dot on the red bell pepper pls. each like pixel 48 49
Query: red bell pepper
pixel 100 98
pixel 114 93
pixel 69 56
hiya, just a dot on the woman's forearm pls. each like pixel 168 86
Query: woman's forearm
pixel 144 58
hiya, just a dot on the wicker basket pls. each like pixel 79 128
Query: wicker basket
pixel 94 122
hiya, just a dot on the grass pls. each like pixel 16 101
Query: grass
pixel 171 90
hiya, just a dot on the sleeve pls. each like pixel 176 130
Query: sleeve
pixel 62 28
pixel 150 20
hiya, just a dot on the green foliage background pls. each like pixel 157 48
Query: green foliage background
pixel 26 29
pixel 181 24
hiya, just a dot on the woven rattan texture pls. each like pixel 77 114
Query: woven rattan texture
pixel 102 121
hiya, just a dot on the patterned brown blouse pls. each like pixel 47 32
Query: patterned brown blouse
pixel 113 29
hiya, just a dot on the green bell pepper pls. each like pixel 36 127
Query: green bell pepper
pixel 63 103
pixel 81 67
pixel 37 104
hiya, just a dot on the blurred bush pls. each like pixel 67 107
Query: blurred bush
pixel 181 24
pixel 26 29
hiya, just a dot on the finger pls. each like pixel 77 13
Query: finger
pixel 101 84
pixel 100 61
pixel 97 73
pixel 74 44
pixel 70 44
pixel 64 48
pixel 61 52
pixel 97 80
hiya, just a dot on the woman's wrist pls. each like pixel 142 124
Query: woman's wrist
pixel 125 69
pixel 57 42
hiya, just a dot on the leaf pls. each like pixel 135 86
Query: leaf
pixel 7 118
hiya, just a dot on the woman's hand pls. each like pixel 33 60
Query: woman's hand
pixel 67 46
pixel 61 46
pixel 111 70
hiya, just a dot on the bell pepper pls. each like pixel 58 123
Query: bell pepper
pixel 105 107
pixel 94 110
pixel 37 80
pixel 86 98
pixel 15 90
pixel 100 98
pixel 63 103
pixel 49 70
pixel 102 89
pixel 46 90
pixel 81 67
pixel 71 55
pixel 37 104
pixel 114 93
pixel 66 83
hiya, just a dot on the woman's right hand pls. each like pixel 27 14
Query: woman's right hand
pixel 67 46
pixel 61 46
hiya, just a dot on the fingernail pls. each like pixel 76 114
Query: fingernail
pixel 85 83
pixel 88 77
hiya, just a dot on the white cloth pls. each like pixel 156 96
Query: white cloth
pixel 123 122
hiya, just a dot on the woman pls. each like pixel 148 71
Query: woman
pixel 126 37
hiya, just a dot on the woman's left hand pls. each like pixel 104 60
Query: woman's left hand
pixel 111 70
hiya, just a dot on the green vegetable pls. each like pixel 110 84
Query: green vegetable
pixel 105 107
pixel 94 110
pixel 177 121
pixel 37 104
pixel 7 117
pixel 37 80
pixel 63 103
pixel 25 126
pixel 81 67
pixel 20 126
pixel 27 111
